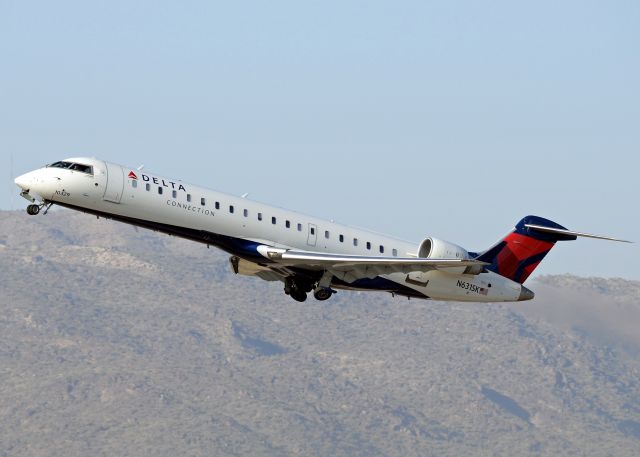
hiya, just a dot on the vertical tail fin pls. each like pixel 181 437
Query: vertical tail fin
pixel 522 250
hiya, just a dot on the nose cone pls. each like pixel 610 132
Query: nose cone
pixel 525 294
pixel 24 181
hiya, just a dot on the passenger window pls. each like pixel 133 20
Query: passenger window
pixel 217 205
pixel 381 249
pixel 174 194
pixel 342 238
pixel 246 213
pixel 203 201
pixel 160 190
pixel 189 197
pixel 355 241
pixel 313 231
pixel 299 227
pixel 273 220
pixel 395 252
pixel 259 216
pixel 287 224
pixel 326 234
pixel 231 209
pixel 148 186
pixel 368 245
pixel 134 183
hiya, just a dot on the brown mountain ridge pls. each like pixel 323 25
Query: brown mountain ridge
pixel 116 341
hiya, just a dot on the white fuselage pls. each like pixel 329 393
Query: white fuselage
pixel 238 224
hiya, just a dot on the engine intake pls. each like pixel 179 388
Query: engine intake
pixel 434 248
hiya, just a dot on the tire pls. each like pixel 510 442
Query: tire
pixel 299 295
pixel 322 294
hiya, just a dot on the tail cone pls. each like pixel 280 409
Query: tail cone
pixel 525 294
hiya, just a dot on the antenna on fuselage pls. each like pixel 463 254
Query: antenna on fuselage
pixel 140 167
pixel 245 195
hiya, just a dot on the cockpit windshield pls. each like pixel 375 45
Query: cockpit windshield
pixel 73 166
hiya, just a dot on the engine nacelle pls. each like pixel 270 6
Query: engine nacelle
pixel 434 248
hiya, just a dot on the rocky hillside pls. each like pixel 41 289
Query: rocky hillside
pixel 122 342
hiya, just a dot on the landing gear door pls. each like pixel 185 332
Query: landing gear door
pixel 115 183
pixel 313 235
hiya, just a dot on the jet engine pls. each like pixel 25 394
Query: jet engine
pixel 433 248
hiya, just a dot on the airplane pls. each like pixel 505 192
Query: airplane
pixel 305 253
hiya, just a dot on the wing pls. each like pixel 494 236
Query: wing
pixel 352 267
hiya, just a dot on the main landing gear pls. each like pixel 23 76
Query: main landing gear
pixel 323 290
pixel 322 293
pixel 298 290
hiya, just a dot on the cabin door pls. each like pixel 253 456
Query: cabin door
pixel 115 183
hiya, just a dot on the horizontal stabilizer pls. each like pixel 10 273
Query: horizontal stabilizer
pixel 570 233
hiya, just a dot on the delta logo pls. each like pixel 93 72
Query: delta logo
pixel 159 181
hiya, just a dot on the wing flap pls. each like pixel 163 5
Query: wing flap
pixel 353 267
pixel 347 261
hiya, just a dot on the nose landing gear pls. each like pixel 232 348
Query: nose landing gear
pixel 35 209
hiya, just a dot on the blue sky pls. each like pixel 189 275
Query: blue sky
pixel 450 119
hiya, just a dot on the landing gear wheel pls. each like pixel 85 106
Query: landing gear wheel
pixel 322 294
pixel 298 295
pixel 296 289
pixel 33 209
pixel 289 286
